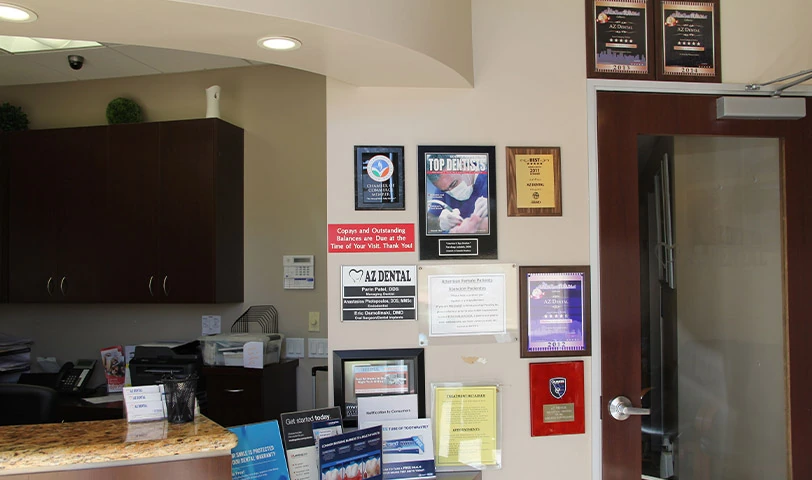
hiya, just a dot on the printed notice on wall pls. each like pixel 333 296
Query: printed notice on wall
pixel 472 304
pixel 370 237
pixel 385 292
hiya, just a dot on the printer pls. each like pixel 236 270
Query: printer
pixel 155 361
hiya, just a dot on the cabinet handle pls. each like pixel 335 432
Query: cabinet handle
pixel 234 390
pixel 150 285
pixel 48 287
pixel 166 277
pixel 62 285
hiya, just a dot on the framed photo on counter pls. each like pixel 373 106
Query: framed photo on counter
pixel 358 373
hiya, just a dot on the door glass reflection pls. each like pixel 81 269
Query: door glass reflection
pixel 712 312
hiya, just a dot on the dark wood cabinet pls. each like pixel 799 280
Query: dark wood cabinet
pixel 136 213
pixel 56 181
pixel 237 396
pixel 3 217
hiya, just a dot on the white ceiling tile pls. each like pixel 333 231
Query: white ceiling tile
pixel 173 61
pixel 21 70
pixel 100 62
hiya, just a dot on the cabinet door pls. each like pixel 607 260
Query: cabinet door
pixel 33 227
pixel 131 232
pixel 82 165
pixel 187 211
pixel 234 396
pixel 3 217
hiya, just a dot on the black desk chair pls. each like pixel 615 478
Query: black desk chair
pixel 27 404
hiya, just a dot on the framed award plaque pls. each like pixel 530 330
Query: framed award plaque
pixel 620 39
pixel 379 178
pixel 534 181
pixel 554 312
pixel 688 41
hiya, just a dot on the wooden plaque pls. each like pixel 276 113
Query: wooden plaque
pixel 534 181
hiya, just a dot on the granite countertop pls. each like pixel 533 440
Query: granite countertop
pixel 58 446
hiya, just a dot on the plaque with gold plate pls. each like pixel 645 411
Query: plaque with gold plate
pixel 557 398
pixel 534 181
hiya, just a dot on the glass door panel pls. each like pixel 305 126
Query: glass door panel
pixel 713 318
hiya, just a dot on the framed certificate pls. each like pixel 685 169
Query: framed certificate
pixel 534 181
pixel 620 39
pixel 379 178
pixel 554 311
pixel 688 41
pixel 457 202
pixel 358 373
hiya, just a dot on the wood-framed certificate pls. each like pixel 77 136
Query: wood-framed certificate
pixel 620 39
pixel 688 41
pixel 534 181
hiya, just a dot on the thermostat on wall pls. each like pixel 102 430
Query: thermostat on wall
pixel 299 271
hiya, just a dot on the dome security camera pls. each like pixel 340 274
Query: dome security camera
pixel 76 62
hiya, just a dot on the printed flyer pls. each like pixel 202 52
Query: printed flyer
pixel 352 456
pixel 258 453
pixel 114 366
pixel 300 442
pixel 466 428
pixel 408 449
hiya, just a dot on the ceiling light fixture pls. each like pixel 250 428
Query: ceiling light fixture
pixel 16 14
pixel 279 43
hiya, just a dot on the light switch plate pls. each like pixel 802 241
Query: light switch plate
pixel 313 322
pixel 317 347
pixel 294 347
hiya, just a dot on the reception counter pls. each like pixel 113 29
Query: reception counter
pixel 116 449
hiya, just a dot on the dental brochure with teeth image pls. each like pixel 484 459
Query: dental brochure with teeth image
pixel 299 438
pixel 352 456
pixel 408 449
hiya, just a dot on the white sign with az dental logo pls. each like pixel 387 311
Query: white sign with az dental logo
pixel 378 293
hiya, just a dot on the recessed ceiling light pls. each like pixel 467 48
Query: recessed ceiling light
pixel 279 43
pixel 29 44
pixel 14 13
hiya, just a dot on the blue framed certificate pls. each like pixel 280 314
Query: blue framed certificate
pixel 555 313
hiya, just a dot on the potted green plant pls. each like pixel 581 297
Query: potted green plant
pixel 123 110
pixel 12 118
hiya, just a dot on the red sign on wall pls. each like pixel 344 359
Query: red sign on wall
pixel 556 398
pixel 370 237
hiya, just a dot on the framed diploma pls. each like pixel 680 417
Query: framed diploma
pixel 620 39
pixel 554 312
pixel 688 41
pixel 379 178
pixel 457 202
pixel 534 181
pixel 467 426
pixel 367 373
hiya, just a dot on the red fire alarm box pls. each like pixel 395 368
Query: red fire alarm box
pixel 556 398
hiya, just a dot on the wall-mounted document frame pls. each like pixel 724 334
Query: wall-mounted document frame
pixel 467 439
pixel 461 181
pixel 467 304
pixel 396 371
pixel 689 45
pixel 534 181
pixel 379 178
pixel 555 311
pixel 620 39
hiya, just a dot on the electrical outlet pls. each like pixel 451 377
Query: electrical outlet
pixel 317 347
pixel 294 347
pixel 313 322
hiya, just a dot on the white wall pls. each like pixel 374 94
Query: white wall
pixel 529 90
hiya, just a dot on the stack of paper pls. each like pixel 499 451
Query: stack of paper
pixel 15 357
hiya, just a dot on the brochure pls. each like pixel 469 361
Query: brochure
pixel 408 449
pixel 258 453
pixel 113 363
pixel 352 456
pixel 300 442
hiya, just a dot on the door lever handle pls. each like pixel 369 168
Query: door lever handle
pixel 621 408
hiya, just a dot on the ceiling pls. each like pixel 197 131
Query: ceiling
pixel 419 43
pixel 107 61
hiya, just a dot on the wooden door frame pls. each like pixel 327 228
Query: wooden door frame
pixel 800 464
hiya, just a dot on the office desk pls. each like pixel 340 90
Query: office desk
pixel 74 409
